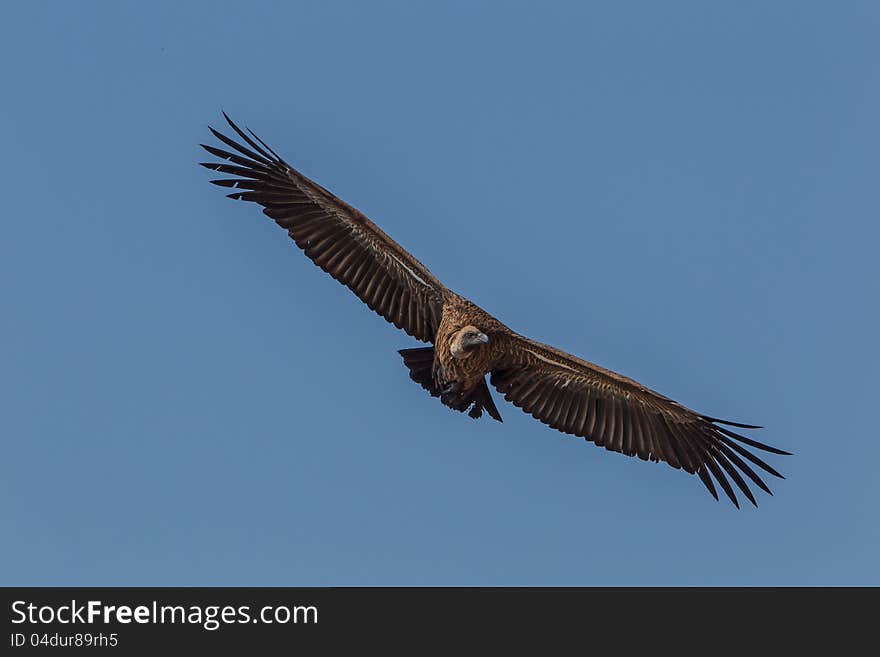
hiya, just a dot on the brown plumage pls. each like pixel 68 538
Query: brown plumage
pixel 561 390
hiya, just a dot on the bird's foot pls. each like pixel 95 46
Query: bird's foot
pixel 450 393
pixel 451 388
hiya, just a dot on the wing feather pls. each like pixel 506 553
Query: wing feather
pixel 583 399
pixel 334 235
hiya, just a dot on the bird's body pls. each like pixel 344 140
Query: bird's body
pixel 561 390
pixel 466 367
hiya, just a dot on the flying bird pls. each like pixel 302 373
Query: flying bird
pixel 467 344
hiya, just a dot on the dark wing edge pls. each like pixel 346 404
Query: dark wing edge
pixel 583 399
pixel 334 235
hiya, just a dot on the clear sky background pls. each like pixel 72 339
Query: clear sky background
pixel 684 192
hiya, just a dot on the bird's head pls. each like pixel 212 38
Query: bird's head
pixel 467 340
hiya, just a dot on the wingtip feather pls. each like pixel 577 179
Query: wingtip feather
pixel 730 423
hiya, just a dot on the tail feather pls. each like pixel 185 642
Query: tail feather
pixel 483 401
pixel 420 362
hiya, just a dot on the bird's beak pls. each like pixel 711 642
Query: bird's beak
pixel 477 340
pixel 472 342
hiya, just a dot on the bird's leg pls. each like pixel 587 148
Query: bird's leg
pixel 443 385
pixel 449 390
pixel 450 394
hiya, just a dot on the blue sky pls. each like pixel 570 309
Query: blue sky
pixel 683 192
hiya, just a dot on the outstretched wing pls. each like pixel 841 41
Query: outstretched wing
pixel 337 237
pixel 613 411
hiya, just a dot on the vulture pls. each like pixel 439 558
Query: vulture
pixel 563 391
